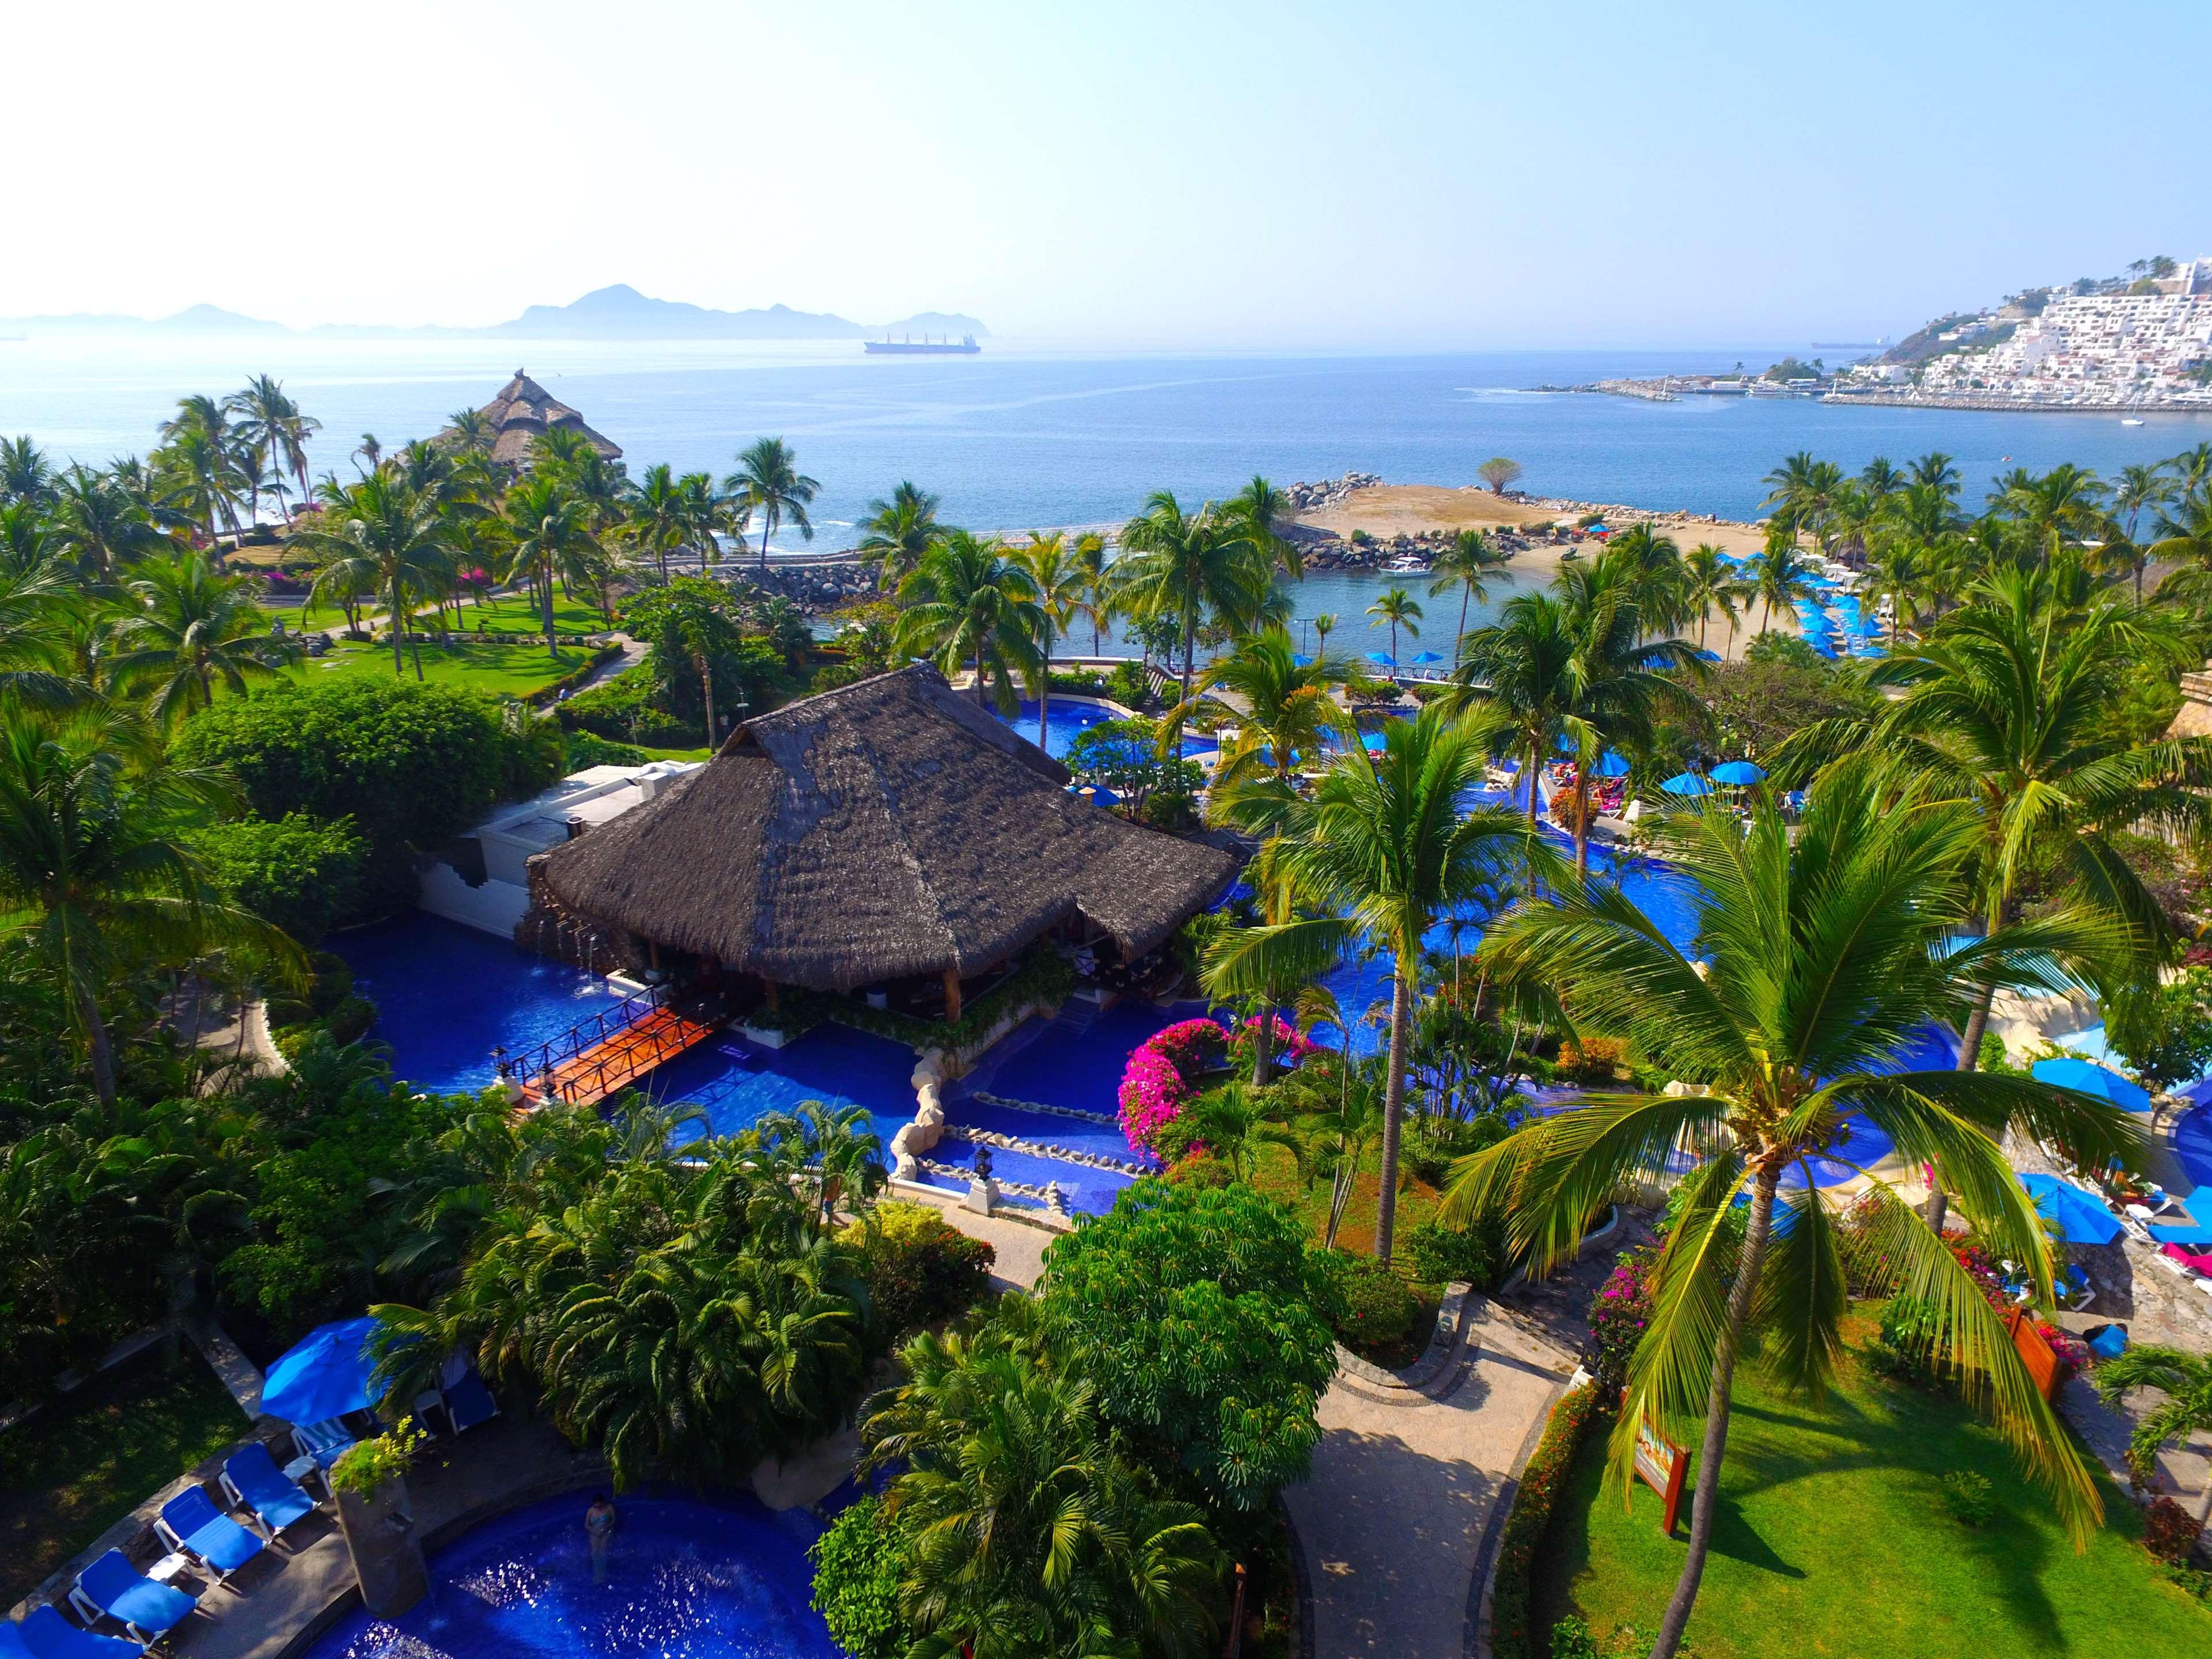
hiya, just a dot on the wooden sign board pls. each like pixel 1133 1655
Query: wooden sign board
pixel 1660 1464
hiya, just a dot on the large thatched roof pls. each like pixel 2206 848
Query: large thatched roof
pixel 524 409
pixel 885 828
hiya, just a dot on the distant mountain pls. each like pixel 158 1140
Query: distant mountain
pixel 619 312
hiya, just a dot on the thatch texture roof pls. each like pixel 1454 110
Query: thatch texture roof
pixel 885 828
pixel 524 409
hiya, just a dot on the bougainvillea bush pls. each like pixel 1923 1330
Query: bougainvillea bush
pixel 1618 1314
pixel 1163 1075
pixel 1291 1046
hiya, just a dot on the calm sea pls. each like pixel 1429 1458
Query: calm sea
pixel 1018 438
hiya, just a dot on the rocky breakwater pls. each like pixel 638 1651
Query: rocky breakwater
pixel 819 586
pixel 1331 492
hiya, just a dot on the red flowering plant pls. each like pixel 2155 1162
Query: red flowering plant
pixel 1618 1314
pixel 1291 1045
pixel 1162 1076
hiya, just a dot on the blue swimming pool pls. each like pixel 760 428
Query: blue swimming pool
pixel 685 1577
pixel 737 1082
pixel 1067 718
pixel 444 994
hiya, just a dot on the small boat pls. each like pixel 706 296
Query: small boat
pixel 2130 419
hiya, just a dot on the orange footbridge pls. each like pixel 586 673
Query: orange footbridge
pixel 598 1068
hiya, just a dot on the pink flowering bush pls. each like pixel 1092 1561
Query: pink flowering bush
pixel 1618 1314
pixel 1162 1075
pixel 1291 1046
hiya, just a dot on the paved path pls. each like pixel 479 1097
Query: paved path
pixel 1392 1522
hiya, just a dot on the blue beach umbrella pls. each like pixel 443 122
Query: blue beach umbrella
pixel 2086 1077
pixel 1737 772
pixel 1301 660
pixel 1609 765
pixel 325 1375
pixel 2079 1215
pixel 1704 656
pixel 1687 783
pixel 1375 742
pixel 1382 657
pixel 1424 657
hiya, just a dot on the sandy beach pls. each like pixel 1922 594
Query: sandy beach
pixel 1387 510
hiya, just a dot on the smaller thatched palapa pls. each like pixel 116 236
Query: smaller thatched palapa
pixel 885 829
pixel 522 411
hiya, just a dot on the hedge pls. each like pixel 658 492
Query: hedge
pixel 1541 1482
pixel 570 681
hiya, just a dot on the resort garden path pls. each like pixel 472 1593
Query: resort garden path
pixel 1397 1524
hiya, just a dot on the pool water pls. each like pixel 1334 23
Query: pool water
pixel 737 1082
pixel 444 994
pixel 1068 718
pixel 686 1579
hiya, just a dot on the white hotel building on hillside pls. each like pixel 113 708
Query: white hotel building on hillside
pixel 2100 349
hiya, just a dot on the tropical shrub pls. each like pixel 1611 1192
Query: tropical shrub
pixel 627 708
pixel 1125 686
pixel 858 1565
pixel 1376 1309
pixel 1594 1061
pixel 373 1464
pixel 303 874
pixel 1968 1498
pixel 1619 1314
pixel 1124 756
pixel 1441 1255
pixel 1206 1324
pixel 1163 1075
pixel 1200 1169
pixel 919 1267
pixel 1291 1046
pixel 2170 1531
pixel 2165 1032
pixel 1538 1494
pixel 411 766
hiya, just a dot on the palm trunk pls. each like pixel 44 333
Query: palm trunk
pixel 98 1050
pixel 1190 647
pixel 1263 1043
pixel 1044 691
pixel 399 662
pixel 1394 1100
pixel 1581 817
pixel 1709 1452
pixel 552 649
pixel 1528 776
pixel 768 525
pixel 706 690
pixel 1466 593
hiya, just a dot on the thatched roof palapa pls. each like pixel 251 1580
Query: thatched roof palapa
pixel 522 411
pixel 886 829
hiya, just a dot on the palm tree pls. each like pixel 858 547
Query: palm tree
pixel 1523 666
pixel 378 536
pixel 1780 575
pixel 26 474
pixel 1935 471
pixel 2185 1380
pixel 968 603
pixel 900 531
pixel 660 517
pixel 187 629
pixel 1383 851
pixel 1284 707
pixel 201 475
pixel 1088 550
pixel 768 482
pixel 273 426
pixel 1259 507
pixel 1814 963
pixel 2185 535
pixel 1804 490
pixel 471 432
pixel 1471 558
pixel 1057 583
pixel 1188 565
pixel 2140 488
pixel 2060 509
pixel 94 873
pixel 1400 610
pixel 97 520
pixel 552 541
pixel 1708 584
pixel 706 513
pixel 839 1150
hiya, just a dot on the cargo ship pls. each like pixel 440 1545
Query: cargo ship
pixel 910 347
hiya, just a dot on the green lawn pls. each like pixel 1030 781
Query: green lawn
pixel 508 613
pixel 71 1471
pixel 1274 1173
pixel 1831 1541
pixel 511 670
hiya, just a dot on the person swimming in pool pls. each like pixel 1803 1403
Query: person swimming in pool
pixel 599 1528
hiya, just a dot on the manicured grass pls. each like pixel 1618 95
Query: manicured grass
pixel 1832 1539
pixel 508 613
pixel 510 670
pixel 1275 1174
pixel 75 1469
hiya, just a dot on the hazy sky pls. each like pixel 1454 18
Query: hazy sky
pixel 1346 175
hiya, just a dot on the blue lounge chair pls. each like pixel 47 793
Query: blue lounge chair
pixel 468 1402
pixel 325 1442
pixel 112 1588
pixel 190 1524
pixel 45 1634
pixel 251 1479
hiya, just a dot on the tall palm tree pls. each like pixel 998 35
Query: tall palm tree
pixel 1188 566
pixel 1647 567
pixel 1466 564
pixel 95 875
pixel 1780 575
pixel 1382 850
pixel 1804 492
pixel 2005 709
pixel 899 530
pixel 1708 584
pixel 552 541
pixel 1284 709
pixel 471 432
pixel 1814 963
pixel 26 474
pixel 273 426
pixel 2061 509
pixel 378 536
pixel 968 603
pixel 200 473
pixel 98 521
pixel 2141 490
pixel 708 514
pixel 1523 667
pixel 2185 535
pixel 768 482
pixel 1088 550
pixel 1261 509
pixel 1398 608
pixel 2185 1380
pixel 185 629
pixel 660 516
pixel 1058 583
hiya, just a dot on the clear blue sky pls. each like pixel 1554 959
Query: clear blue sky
pixel 1362 175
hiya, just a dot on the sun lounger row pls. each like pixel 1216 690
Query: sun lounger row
pixel 190 1526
